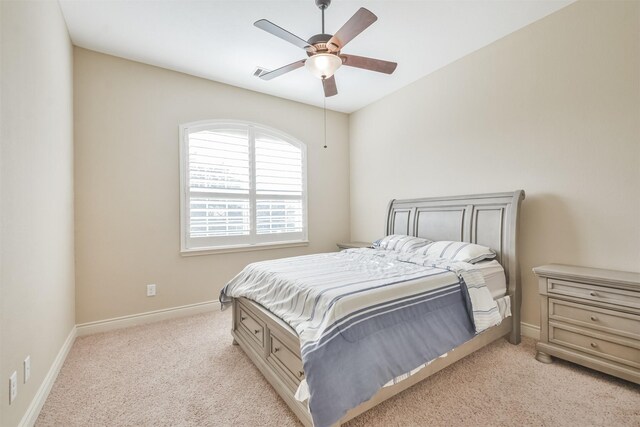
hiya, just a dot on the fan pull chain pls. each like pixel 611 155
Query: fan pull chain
pixel 324 103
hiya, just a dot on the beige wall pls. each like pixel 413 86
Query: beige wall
pixel 127 192
pixel 553 109
pixel 36 188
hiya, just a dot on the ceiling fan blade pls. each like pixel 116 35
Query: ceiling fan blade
pixel 329 86
pixel 282 70
pixel 277 31
pixel 359 22
pixel 369 63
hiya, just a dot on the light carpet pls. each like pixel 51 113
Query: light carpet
pixel 186 372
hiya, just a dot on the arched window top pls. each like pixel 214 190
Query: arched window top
pixel 223 123
pixel 243 186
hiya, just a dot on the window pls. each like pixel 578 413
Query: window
pixel 242 186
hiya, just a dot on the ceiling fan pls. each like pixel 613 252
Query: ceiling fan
pixel 324 50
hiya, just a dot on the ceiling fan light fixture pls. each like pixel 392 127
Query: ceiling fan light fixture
pixel 325 50
pixel 323 65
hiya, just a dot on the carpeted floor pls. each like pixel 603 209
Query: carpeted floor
pixel 185 372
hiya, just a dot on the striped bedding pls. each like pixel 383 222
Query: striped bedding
pixel 504 307
pixel 366 316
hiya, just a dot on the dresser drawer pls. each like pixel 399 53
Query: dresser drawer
pixel 286 360
pixel 619 350
pixel 609 321
pixel 594 293
pixel 252 327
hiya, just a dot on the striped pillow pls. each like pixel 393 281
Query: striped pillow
pixel 457 251
pixel 400 243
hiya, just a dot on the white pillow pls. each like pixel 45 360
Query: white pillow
pixel 457 251
pixel 400 243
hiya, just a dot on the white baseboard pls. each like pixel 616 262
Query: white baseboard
pixel 147 317
pixel 529 330
pixel 30 417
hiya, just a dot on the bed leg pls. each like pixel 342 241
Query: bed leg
pixel 514 338
pixel 515 334
pixel 234 342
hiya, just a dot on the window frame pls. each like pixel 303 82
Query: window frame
pixel 255 241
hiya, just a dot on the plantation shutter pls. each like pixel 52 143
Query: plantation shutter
pixel 244 186
pixel 279 186
pixel 219 186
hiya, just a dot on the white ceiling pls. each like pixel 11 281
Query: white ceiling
pixel 217 40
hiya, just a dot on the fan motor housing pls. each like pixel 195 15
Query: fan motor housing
pixel 319 41
pixel 319 38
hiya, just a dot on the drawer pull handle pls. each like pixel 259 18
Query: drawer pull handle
pixel 276 349
pixel 243 318
pixel 594 318
pixel 301 374
pixel 594 345
pixel 255 331
pixel 593 293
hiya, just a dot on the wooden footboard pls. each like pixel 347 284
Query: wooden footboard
pixel 275 349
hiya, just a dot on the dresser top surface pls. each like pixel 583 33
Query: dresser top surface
pixel 572 272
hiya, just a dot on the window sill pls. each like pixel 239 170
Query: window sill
pixel 242 248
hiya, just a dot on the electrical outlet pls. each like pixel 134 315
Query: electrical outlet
pixel 13 387
pixel 27 369
pixel 151 290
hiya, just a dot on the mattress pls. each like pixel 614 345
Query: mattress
pixel 494 278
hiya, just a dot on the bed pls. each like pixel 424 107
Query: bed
pixel 486 219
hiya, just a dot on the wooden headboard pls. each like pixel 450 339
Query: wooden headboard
pixel 486 219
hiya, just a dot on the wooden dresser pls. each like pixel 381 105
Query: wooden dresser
pixel 591 317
